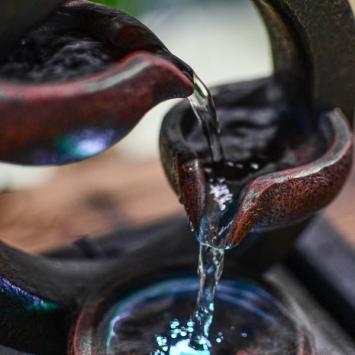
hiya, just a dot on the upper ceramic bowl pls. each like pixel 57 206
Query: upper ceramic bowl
pixel 78 83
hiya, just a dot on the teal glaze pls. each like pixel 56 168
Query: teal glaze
pixel 29 302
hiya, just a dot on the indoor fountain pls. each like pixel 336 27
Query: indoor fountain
pixel 252 163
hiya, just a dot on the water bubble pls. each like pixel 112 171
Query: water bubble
pixel 219 338
pixel 161 340
pixel 174 324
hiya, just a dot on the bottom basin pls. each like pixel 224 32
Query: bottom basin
pixel 249 319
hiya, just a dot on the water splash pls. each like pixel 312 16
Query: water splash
pixel 195 337
pixel 216 222
pixel 178 341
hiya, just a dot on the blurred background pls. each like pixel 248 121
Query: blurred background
pixel 224 41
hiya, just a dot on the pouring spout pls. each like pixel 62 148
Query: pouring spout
pixel 87 95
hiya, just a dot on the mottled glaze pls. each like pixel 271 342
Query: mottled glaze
pixel 287 196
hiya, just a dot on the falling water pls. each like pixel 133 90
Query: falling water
pixel 203 105
pixel 193 338
pixel 211 258
pixel 210 269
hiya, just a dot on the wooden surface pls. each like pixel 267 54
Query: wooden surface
pixel 106 193
pixel 86 199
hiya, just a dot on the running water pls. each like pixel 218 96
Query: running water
pixel 211 258
pixel 194 337
pixel 210 269
pixel 204 108
pixel 219 198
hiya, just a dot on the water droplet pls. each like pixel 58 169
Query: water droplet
pixel 244 334
pixel 255 166
pixel 219 338
pixel 161 340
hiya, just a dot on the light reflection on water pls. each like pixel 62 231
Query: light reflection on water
pixel 183 348
pixel 156 320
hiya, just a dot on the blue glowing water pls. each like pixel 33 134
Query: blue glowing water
pixel 157 320
pixel 194 336
pixel 178 342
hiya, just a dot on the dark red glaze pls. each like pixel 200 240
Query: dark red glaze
pixel 34 115
pixel 191 182
pixel 287 196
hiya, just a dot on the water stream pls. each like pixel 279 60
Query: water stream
pixel 210 269
pixel 211 259
pixel 195 335
pixel 203 105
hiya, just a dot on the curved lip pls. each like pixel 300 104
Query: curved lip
pixel 112 75
pixel 115 74
pixel 340 145
pixel 338 150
